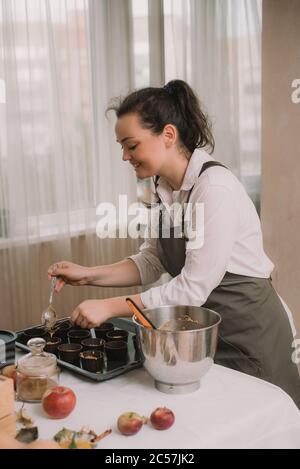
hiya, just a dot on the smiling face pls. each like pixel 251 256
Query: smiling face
pixel 147 152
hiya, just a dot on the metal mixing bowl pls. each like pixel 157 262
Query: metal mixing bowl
pixel 178 359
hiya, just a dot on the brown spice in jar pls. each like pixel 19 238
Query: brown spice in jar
pixel 33 388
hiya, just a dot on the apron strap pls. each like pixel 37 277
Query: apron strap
pixel 205 166
pixel 209 164
pixel 155 180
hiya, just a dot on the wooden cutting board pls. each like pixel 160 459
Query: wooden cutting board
pixel 7 397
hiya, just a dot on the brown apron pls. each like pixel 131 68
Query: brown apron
pixel 255 335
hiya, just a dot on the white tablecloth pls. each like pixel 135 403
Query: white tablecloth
pixel 230 410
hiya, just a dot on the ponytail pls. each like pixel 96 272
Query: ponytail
pixel 175 103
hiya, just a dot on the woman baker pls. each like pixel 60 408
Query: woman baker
pixel 164 134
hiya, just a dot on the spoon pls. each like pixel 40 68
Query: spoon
pixel 139 314
pixel 49 316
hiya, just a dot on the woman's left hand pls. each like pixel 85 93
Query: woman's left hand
pixel 92 313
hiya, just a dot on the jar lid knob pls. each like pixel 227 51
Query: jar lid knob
pixel 36 345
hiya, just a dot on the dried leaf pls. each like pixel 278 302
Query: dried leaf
pixel 63 435
pixel 23 418
pixel 84 439
pixel 27 435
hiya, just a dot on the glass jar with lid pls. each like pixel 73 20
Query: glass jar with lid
pixel 36 372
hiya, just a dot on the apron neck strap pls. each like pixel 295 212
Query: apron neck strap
pixel 205 166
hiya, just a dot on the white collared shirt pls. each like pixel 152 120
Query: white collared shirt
pixel 232 238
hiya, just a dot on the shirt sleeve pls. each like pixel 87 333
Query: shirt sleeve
pixel 147 262
pixel 206 265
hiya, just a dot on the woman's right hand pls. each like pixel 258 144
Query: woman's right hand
pixel 68 273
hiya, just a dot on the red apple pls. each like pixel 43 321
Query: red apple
pixel 58 402
pixel 162 418
pixel 130 423
pixel 10 371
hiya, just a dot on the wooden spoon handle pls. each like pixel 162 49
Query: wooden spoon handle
pixel 137 312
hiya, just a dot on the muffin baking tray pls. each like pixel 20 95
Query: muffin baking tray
pixel 7 348
pixel 111 368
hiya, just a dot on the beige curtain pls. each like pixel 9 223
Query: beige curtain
pixel 216 46
pixel 61 62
